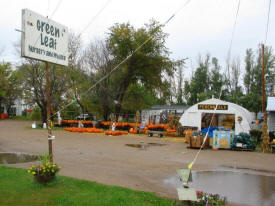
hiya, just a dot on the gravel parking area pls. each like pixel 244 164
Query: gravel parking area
pixel 107 159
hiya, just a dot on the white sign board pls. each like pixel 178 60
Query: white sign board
pixel 43 39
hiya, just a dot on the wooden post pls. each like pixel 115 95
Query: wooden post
pixel 265 136
pixel 49 126
pixel 263 81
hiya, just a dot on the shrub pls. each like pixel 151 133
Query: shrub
pixel 272 135
pixel 256 133
pixel 36 114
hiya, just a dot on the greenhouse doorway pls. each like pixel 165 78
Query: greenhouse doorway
pixel 219 120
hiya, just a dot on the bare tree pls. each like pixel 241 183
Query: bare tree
pixel 233 72
pixel 33 78
pixel 236 71
pixel 77 75
pixel 98 62
pixel 176 83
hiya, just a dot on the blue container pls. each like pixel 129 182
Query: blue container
pixel 223 139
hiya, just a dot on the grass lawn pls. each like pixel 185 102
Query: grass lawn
pixel 17 187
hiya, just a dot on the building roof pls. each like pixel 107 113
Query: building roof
pixel 270 104
pixel 171 107
pixel 192 116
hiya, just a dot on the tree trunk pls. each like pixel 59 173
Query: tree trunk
pixel 106 112
pixel 80 104
pixel 120 95
pixel 119 103
pixel 117 110
pixel 8 109
pixel 43 114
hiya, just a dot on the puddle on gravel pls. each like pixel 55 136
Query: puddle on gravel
pixel 13 158
pixel 146 145
pixel 237 187
pixel 134 145
pixel 247 169
pixel 155 144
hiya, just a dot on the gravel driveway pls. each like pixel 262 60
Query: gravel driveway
pixel 107 159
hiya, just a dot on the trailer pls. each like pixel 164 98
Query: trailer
pixel 152 132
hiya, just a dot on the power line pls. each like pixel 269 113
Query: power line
pixel 206 135
pixel 229 53
pixel 48 8
pixel 233 31
pixel 56 8
pixel 129 56
pixel 180 8
pixel 85 28
pixel 267 23
pixel 93 19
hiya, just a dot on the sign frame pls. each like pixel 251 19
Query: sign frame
pixel 43 39
pixel 212 107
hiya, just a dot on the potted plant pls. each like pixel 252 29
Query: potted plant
pixel 44 172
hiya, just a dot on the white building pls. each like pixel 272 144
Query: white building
pixel 226 114
pixel 270 109
pixel 159 113
pixel 16 109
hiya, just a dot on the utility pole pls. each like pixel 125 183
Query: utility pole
pixel 49 126
pixel 265 136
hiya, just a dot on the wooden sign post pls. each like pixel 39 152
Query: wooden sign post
pixel 49 125
pixel 45 40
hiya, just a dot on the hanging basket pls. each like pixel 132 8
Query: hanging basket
pixel 44 178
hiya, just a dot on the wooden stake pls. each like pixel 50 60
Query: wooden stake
pixel 263 81
pixel 49 126
pixel 265 136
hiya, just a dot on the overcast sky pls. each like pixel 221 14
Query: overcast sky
pixel 203 26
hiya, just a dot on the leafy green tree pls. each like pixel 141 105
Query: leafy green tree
pixel 137 97
pixel 10 87
pixel 146 66
pixel 198 89
pixel 253 77
pixel 216 78
pixel 249 74
pixel 257 70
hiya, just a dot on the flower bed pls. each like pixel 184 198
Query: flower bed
pixel 115 133
pixel 76 122
pixel 72 123
pixel 133 131
pixel 157 126
pixel 82 129
pixel 119 125
pixel 171 130
pixel 209 199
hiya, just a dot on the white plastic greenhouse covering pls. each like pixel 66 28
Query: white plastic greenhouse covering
pixel 192 116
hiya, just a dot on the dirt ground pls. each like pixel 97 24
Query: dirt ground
pixel 106 159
